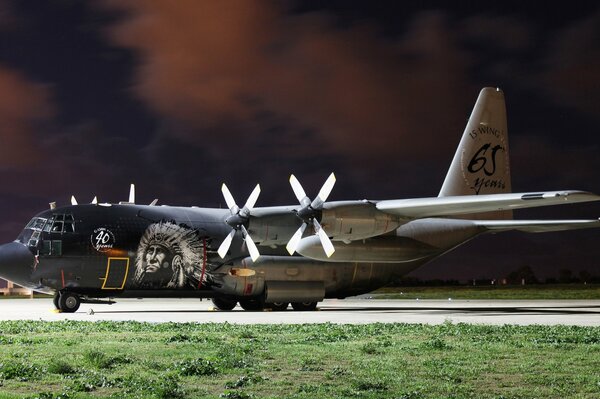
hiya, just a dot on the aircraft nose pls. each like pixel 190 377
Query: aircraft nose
pixel 16 262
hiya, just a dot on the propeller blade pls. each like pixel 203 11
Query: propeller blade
pixel 254 254
pixel 324 192
pixel 297 187
pixel 252 198
pixel 327 187
pixel 132 194
pixel 325 241
pixel 295 240
pixel 228 198
pixel 73 200
pixel 95 200
pixel 224 247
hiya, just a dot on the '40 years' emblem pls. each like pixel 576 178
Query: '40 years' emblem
pixel 102 239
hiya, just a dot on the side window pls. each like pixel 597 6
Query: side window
pixel 52 247
pixel 69 224
pixel 56 248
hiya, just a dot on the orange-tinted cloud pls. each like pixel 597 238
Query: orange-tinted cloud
pixel 23 105
pixel 209 63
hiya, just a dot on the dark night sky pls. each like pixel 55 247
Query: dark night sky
pixel 179 96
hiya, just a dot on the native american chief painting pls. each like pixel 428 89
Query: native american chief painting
pixel 169 256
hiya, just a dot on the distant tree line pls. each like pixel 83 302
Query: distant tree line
pixel 522 275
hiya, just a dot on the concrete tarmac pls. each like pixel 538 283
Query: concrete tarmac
pixel 347 311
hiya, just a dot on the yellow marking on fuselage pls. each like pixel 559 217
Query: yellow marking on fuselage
pixel 104 287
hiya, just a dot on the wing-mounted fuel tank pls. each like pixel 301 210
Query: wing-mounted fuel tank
pixel 296 279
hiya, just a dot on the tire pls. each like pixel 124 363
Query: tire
pixel 224 304
pixel 304 306
pixel 68 302
pixel 55 300
pixel 277 306
pixel 252 304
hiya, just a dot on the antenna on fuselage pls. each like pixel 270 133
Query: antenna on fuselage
pixel 95 201
pixel 132 194
pixel 73 200
pixel 52 205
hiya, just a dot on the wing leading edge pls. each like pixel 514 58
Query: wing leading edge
pixel 417 208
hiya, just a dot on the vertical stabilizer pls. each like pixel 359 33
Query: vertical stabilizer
pixel 481 162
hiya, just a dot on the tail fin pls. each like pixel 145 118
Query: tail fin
pixel 481 164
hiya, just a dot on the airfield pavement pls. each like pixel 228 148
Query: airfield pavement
pixel 347 311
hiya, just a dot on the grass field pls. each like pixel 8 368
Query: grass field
pixel 542 291
pixel 137 360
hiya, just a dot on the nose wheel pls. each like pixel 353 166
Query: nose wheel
pixel 66 302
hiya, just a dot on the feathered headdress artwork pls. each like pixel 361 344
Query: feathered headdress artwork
pixel 185 248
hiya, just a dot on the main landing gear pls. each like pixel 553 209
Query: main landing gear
pixel 66 302
pixel 226 304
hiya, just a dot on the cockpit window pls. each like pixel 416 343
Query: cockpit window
pixel 61 224
pixel 48 225
pixel 57 227
pixel 36 224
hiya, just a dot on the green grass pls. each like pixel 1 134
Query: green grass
pixel 138 360
pixel 542 291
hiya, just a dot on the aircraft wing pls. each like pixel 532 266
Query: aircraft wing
pixel 536 226
pixel 465 204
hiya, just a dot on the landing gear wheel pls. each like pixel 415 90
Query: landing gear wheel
pixel 68 302
pixel 304 306
pixel 277 306
pixel 224 303
pixel 55 299
pixel 252 304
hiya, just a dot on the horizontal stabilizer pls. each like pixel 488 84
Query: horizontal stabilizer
pixel 466 204
pixel 536 226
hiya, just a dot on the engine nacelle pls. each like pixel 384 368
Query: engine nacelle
pixel 356 221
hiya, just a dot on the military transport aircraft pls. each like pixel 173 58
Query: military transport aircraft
pixel 274 256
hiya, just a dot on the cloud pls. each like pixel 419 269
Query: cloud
pixel 572 64
pixel 23 106
pixel 215 64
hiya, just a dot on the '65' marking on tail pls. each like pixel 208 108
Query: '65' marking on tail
pixel 485 159
pixel 480 159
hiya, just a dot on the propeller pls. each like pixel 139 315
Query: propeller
pixel 309 213
pixel 238 218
